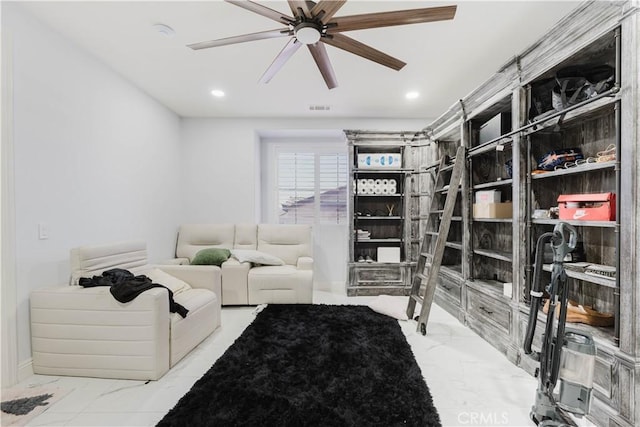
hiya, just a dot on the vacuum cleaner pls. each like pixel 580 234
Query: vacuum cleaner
pixel 566 355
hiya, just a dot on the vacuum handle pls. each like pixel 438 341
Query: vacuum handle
pixel 560 245
pixel 536 291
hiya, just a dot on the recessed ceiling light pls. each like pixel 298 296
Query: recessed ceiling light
pixel 217 93
pixel 165 30
pixel 412 95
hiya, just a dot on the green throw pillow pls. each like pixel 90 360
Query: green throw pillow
pixel 211 256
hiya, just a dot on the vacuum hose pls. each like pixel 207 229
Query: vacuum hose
pixel 536 290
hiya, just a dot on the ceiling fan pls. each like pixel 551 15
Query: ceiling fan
pixel 312 23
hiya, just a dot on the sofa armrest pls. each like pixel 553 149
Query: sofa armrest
pixel 305 263
pixel 234 282
pixel 86 332
pixel 197 276
pixel 175 261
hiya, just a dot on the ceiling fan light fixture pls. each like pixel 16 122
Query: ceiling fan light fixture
pixel 307 33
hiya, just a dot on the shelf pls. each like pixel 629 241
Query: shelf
pixel 379 241
pixel 602 281
pixel 503 220
pixel 454 245
pixel 378 217
pixel 383 171
pixel 584 168
pixel 379 195
pixel 454 271
pixel 376 263
pixel 499 255
pixel 603 224
pixel 603 336
pixel 504 140
pixel 494 288
pixel 499 183
pixel 583 111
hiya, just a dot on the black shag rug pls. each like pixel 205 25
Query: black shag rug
pixel 312 365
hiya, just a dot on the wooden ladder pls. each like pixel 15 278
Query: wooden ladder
pixel 428 266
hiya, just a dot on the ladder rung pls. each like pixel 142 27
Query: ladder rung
pixel 421 276
pixel 436 211
pixel 431 233
pixel 417 298
pixel 426 255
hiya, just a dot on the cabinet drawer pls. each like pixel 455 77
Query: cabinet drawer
pixel 451 288
pixel 482 307
pixel 603 375
pixel 378 275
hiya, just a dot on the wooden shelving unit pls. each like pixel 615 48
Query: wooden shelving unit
pixel 371 214
pixel 489 256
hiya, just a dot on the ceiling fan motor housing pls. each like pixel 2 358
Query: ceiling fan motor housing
pixel 308 32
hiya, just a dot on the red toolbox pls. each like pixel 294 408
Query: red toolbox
pixel 588 207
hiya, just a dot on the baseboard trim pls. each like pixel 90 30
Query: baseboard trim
pixel 25 369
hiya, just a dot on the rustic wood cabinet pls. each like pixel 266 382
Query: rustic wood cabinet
pixel 381 243
pixel 486 277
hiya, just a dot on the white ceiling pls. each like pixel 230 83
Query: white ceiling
pixel 445 60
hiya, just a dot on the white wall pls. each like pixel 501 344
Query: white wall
pixel 96 160
pixel 222 172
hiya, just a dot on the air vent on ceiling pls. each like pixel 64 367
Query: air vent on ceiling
pixel 319 107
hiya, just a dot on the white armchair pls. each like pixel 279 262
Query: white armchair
pixel 80 331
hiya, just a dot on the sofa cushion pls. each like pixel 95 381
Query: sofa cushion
pixel 194 237
pixel 211 256
pixel 165 279
pixel 256 257
pixel 288 242
pixel 246 236
pixel 89 261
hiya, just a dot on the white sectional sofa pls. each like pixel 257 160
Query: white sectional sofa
pixel 245 283
pixel 79 331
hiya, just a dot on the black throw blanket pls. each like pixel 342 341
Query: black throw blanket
pixel 124 287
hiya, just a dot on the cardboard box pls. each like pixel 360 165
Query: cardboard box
pixel 492 210
pixel 588 207
pixel 488 196
pixel 379 161
pixel 388 254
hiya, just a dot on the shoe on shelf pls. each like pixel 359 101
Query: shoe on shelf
pixel 360 258
pixel 368 259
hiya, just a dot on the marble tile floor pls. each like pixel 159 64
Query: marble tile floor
pixel 472 383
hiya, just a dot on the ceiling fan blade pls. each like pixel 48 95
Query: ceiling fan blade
pixel 290 48
pixel 297 5
pixel 388 19
pixel 263 10
pixel 327 8
pixel 241 39
pixel 319 53
pixel 350 45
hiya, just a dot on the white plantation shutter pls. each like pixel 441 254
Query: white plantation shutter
pixel 333 188
pixel 312 188
pixel 296 187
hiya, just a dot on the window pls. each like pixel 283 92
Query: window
pixel 311 187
